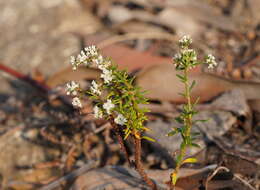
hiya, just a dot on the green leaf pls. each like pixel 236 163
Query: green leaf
pixel 183 144
pixel 196 102
pixel 189 160
pixel 148 138
pixel 195 145
pixel 175 131
pixel 182 78
pixel 181 94
pixel 195 134
pixel 201 120
pixel 127 134
pixel 179 120
pixel 192 84
pixel 174 177
pixel 178 159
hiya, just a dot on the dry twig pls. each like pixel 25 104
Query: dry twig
pixel 213 174
pixel 90 165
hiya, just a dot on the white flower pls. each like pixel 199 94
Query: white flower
pixel 82 58
pixel 95 88
pixel 99 60
pixel 210 60
pixel 107 75
pixel 73 62
pixel 120 120
pixel 91 51
pixel 76 102
pixel 108 106
pixel 102 67
pixel 177 56
pixel 185 40
pixel 98 112
pixel 72 88
pixel 85 56
pixel 191 53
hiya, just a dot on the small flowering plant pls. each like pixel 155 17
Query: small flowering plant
pixel 184 61
pixel 116 99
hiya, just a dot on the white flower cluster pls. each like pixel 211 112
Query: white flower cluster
pixel 72 88
pixel 84 57
pixel 91 51
pixel 191 53
pixel 107 75
pixel 186 54
pixel 210 60
pixel 109 106
pixel 185 41
pixel 95 88
pixel 88 56
pixel 120 119
pixel 76 102
pixel 98 112
pixel 91 55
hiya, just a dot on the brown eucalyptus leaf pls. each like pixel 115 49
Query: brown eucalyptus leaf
pixel 162 84
pixel 125 57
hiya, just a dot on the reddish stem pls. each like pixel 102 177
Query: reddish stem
pixel 139 165
pixel 120 140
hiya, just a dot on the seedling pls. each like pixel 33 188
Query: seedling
pixel 184 61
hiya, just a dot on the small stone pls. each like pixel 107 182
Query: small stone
pixel 251 35
pixel 236 74
pixel 247 73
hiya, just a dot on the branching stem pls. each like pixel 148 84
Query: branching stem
pixel 120 140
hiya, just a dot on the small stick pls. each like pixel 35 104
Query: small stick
pixel 27 79
pixel 213 174
pixel 90 165
pixel 137 35
pixel 244 182
pixel 39 85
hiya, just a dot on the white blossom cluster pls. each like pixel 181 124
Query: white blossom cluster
pixel 186 54
pixel 185 41
pixel 98 112
pixel 120 119
pixel 76 102
pixel 90 55
pixel 191 53
pixel 84 57
pixel 71 88
pixel 108 106
pixel 210 60
pixel 95 88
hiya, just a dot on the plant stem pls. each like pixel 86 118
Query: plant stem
pixel 187 124
pixel 139 165
pixel 120 140
pixel 188 119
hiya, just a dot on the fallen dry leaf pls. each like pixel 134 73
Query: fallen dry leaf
pixel 162 84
